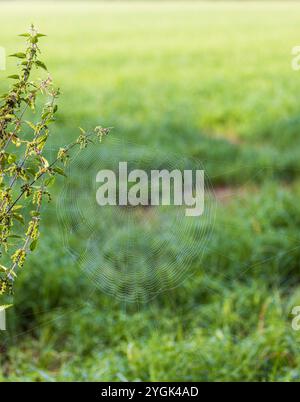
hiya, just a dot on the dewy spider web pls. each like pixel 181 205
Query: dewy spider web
pixel 130 253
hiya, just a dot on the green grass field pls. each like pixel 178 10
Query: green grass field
pixel 211 81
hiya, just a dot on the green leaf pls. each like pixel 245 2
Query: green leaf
pixel 33 245
pixel 41 64
pixel 17 207
pixel 46 114
pixel 35 214
pixel 19 218
pixel 3 268
pixel 31 125
pixel 31 171
pixel 9 116
pixel 59 171
pixel 14 77
pixel 41 140
pixel 45 162
pixel 19 55
pixel 50 181
pixel 11 158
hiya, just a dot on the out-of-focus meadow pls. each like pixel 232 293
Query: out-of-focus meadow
pixel 211 81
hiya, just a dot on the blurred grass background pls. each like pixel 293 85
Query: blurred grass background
pixel 211 81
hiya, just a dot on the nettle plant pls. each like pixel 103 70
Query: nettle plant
pixel 25 172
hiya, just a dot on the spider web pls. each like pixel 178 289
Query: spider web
pixel 130 253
